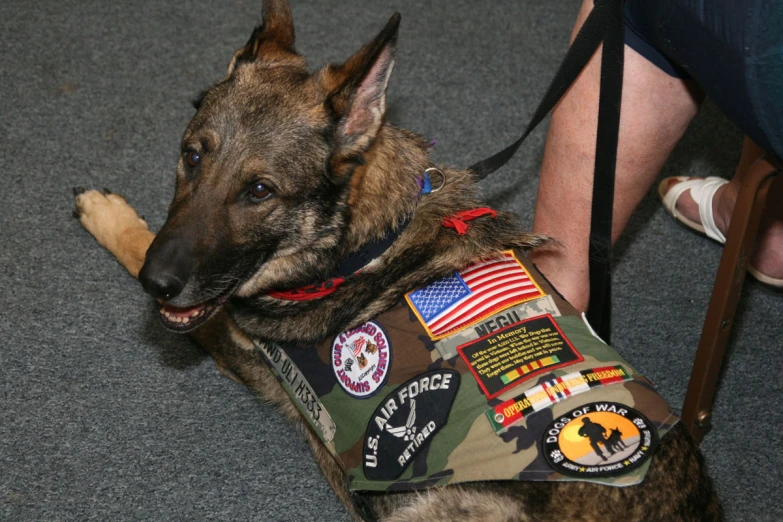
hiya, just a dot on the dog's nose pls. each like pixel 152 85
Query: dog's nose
pixel 169 261
pixel 160 284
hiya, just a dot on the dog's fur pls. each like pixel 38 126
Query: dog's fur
pixel 339 177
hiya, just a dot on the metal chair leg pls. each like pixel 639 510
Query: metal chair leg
pixel 697 409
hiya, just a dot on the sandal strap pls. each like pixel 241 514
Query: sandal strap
pixel 702 191
pixel 703 195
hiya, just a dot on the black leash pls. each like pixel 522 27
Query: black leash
pixel 603 24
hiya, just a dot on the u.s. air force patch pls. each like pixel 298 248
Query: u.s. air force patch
pixel 406 421
pixel 361 359
pixel 601 439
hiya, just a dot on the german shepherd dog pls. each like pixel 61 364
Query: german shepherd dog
pixel 283 174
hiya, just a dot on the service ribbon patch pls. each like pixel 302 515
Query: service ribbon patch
pixel 551 392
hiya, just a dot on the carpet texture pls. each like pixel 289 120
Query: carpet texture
pixel 106 416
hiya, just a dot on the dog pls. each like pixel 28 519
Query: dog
pixel 371 348
pixel 278 183
pixel 615 441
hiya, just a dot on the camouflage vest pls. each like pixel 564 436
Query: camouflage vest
pixel 487 374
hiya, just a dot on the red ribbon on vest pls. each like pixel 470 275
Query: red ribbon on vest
pixel 459 220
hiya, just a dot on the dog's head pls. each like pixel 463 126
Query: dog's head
pixel 264 171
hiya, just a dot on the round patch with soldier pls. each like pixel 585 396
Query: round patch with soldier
pixel 600 439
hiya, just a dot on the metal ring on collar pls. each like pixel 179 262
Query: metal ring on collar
pixel 436 170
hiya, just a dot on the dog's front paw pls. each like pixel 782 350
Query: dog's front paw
pixel 105 215
pixel 115 225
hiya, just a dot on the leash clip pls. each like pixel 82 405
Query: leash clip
pixel 426 182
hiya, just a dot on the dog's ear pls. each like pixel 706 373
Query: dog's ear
pixel 357 92
pixel 272 41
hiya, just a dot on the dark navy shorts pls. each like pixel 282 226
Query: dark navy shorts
pixel 732 48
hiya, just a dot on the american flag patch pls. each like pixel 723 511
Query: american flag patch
pixel 472 294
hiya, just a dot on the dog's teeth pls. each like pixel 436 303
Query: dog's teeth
pixel 186 320
pixel 195 314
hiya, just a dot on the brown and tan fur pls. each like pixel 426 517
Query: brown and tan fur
pixel 342 176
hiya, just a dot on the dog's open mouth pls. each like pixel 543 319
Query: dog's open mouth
pixel 184 320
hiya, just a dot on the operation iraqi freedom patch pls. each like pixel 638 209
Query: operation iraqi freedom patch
pixel 405 422
pixel 600 439
pixel 553 391
pixel 361 359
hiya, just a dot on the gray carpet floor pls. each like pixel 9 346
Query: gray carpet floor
pixel 106 416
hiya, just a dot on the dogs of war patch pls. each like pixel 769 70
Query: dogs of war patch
pixel 514 354
pixel 361 358
pixel 601 439
pixel 406 421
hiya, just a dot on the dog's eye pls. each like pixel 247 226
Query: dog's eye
pixel 259 192
pixel 192 158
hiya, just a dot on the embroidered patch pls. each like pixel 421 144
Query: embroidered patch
pixel 447 347
pixel 472 294
pixel 298 389
pixel 553 391
pixel 361 359
pixel 601 439
pixel 512 355
pixel 406 421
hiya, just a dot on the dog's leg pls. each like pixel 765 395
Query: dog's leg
pixel 120 230
pixel 474 504
pixel 115 225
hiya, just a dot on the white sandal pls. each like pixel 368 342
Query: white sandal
pixel 702 191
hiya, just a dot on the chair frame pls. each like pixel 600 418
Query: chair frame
pixel 740 242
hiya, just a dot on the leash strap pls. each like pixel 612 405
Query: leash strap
pixel 603 24
pixel 612 58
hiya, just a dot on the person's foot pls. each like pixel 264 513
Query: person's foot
pixel 768 258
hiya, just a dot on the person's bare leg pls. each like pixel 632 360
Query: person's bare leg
pixel 768 258
pixel 656 110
